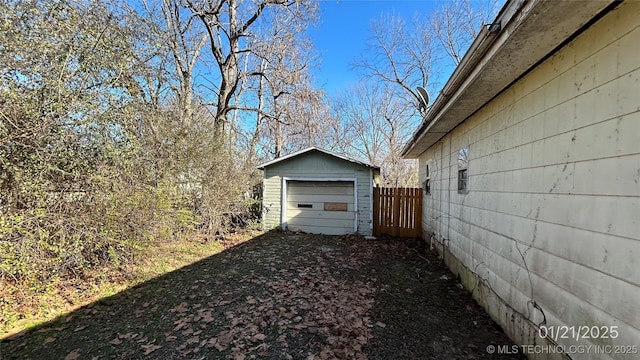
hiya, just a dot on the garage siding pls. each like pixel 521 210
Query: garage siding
pixel 315 165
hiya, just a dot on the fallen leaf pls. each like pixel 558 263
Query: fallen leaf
pixel 183 307
pixel 220 347
pixel 149 348
pixel 326 354
pixel 80 328
pixel 144 339
pixel 207 317
pixel 259 337
pixel 238 356
pixel 115 341
pixel 48 340
pixel 73 355
pixel 193 340
pixel 381 324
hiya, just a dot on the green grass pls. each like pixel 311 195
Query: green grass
pixel 23 308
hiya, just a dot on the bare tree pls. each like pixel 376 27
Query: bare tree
pixel 404 55
pixel 304 120
pixel 185 42
pixel 290 111
pixel 399 54
pixel 378 124
pixel 456 23
pixel 230 25
pixel 282 68
pixel 411 54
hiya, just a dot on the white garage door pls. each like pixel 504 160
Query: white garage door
pixel 321 207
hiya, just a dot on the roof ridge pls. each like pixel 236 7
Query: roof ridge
pixel 314 148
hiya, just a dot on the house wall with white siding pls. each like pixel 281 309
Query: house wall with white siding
pixel 552 214
pixel 316 165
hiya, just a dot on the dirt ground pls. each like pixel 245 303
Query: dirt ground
pixel 281 296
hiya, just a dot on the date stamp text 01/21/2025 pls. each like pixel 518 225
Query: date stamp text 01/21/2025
pixel 575 333
pixel 562 349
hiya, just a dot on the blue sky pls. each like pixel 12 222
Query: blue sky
pixel 342 32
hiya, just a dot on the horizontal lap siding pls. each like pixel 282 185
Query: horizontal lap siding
pixel 271 200
pixel 554 179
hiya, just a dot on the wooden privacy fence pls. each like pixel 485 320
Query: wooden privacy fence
pixel 397 211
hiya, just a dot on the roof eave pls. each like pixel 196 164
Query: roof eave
pixel 494 61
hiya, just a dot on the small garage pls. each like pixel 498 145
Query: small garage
pixel 320 192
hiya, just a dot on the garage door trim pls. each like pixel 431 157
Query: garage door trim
pixel 283 203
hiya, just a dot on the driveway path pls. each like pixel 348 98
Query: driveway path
pixel 281 296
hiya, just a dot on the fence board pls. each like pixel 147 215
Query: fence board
pixel 397 211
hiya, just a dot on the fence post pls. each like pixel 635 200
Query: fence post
pixel 376 210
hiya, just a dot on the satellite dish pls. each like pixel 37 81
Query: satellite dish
pixel 423 97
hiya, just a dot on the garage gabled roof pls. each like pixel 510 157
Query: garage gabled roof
pixel 311 149
pixel 523 34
